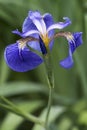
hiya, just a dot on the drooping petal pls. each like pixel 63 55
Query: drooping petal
pixel 74 41
pixel 21 60
pixel 67 62
pixel 38 21
pixel 34 33
pixel 60 25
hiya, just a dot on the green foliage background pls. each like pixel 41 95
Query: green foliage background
pixel 29 90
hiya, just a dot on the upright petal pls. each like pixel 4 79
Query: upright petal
pixel 74 41
pixel 38 21
pixel 48 19
pixel 60 25
pixel 28 29
pixel 21 60
pixel 28 25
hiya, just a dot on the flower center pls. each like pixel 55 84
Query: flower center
pixel 46 40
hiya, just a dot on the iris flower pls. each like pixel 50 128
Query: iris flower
pixel 38 34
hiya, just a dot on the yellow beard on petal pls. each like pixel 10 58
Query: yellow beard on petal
pixel 46 40
pixel 21 44
pixel 70 37
pixel 23 41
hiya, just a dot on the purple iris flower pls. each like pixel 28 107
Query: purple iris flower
pixel 38 34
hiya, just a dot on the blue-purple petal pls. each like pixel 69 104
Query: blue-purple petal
pixel 76 42
pixel 17 32
pixel 33 44
pixel 35 15
pixel 60 25
pixel 73 44
pixel 28 25
pixel 64 24
pixel 38 21
pixel 48 19
pixel 67 62
pixel 21 60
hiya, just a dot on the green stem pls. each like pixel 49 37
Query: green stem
pixel 49 70
pixel 82 75
pixel 13 108
pixel 50 79
pixel 48 108
pixel 32 118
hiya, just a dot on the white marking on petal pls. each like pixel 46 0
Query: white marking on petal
pixel 60 25
pixel 70 38
pixel 30 33
pixel 40 26
pixel 22 42
pixel 38 21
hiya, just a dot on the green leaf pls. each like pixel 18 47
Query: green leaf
pixel 12 121
pixel 82 118
pixel 15 88
pixel 12 2
pixel 86 24
pixel 4 71
pixel 81 73
pixel 79 106
pixel 65 124
pixel 54 113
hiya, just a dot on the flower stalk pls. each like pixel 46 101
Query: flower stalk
pixel 14 109
pixel 48 66
pixel 50 79
pixel 48 108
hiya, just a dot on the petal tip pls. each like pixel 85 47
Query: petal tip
pixel 67 63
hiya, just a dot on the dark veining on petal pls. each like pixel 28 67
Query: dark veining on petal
pixel 20 54
pixel 23 41
pixel 27 39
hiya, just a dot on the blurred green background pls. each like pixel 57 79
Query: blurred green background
pixel 29 90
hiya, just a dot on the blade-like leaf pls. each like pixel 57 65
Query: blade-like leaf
pixel 15 88
pixel 54 113
pixel 4 71
pixel 12 121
